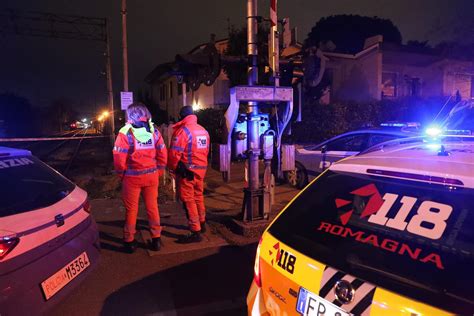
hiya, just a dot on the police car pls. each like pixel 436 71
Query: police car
pixel 386 232
pixel 311 160
pixel 48 239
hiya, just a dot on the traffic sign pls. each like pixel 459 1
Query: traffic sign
pixel 126 98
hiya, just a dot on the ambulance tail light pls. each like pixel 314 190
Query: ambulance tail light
pixel 6 245
pixel 87 206
pixel 256 268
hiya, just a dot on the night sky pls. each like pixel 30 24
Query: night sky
pixel 47 69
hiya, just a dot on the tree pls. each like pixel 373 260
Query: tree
pixel 17 116
pixel 348 32
pixel 458 50
pixel 237 72
pixel 62 113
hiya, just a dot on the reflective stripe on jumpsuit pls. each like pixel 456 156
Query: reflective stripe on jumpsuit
pixel 139 163
pixel 190 146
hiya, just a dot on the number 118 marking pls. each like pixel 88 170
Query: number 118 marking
pixel 287 261
pixel 432 213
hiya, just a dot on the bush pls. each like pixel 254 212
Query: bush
pixel 213 121
pixel 321 122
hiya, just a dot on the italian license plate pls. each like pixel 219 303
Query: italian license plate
pixel 60 279
pixel 310 304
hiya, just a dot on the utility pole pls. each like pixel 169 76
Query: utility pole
pixel 110 91
pixel 275 42
pixel 253 198
pixel 124 45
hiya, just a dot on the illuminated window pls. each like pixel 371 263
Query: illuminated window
pixel 389 84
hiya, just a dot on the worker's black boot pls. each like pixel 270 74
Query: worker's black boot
pixel 156 244
pixel 203 227
pixel 130 246
pixel 190 238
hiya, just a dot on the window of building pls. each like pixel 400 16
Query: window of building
pixel 180 89
pixel 389 84
pixel 171 89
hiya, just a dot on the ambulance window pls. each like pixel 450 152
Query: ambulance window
pixel 27 184
pixel 409 237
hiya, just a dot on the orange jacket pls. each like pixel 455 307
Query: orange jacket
pixel 189 144
pixel 138 151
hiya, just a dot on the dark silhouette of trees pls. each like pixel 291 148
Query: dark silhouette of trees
pixel 61 114
pixel 17 116
pixel 237 72
pixel 348 32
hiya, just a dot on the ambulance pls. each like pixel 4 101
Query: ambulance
pixel 49 242
pixel 387 232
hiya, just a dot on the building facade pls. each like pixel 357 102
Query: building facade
pixel 382 70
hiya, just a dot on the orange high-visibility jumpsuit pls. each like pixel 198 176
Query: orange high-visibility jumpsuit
pixel 139 163
pixel 190 145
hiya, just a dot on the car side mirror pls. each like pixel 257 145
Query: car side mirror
pixel 324 149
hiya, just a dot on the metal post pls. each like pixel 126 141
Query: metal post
pixel 109 86
pixel 124 45
pixel 183 87
pixel 252 199
pixel 275 42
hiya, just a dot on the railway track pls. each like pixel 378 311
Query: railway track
pixel 72 152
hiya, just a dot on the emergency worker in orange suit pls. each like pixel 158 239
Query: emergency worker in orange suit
pixel 140 158
pixel 187 159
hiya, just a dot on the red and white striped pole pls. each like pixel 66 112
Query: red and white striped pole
pixel 274 45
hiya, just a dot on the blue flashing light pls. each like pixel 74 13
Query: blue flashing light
pixel 433 131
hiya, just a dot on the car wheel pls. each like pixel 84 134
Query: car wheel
pixel 297 178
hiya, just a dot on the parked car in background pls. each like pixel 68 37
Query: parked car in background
pixel 311 160
pixel 49 242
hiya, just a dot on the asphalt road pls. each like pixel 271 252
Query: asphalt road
pixel 205 282
pixel 210 281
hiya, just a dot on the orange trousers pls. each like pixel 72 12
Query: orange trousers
pixel 132 186
pixel 191 193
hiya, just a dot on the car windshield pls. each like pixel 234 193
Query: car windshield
pixel 27 184
pixel 409 237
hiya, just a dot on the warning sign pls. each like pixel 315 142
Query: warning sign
pixel 126 98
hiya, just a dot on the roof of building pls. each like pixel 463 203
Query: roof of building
pixel 158 71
